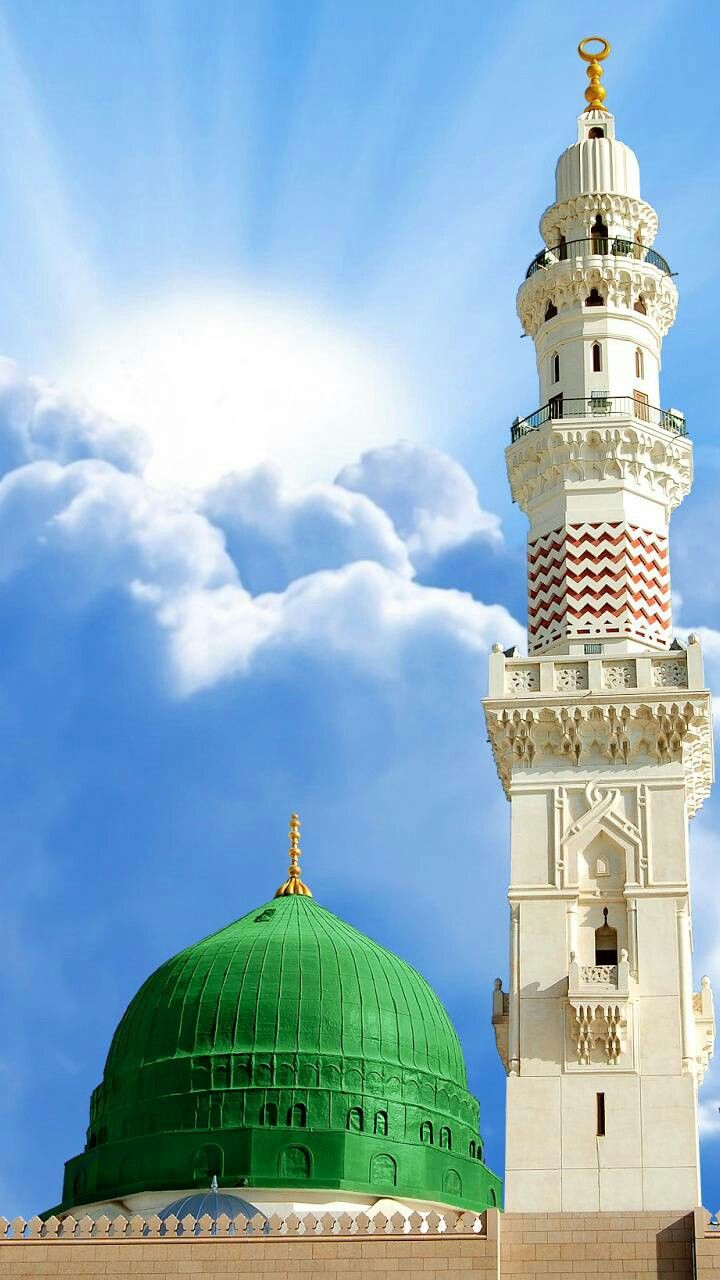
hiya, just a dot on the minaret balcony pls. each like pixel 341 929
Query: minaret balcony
pixel 601 407
pixel 598 995
pixel 587 981
pixel 598 246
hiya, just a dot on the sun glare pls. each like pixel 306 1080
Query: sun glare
pixel 221 385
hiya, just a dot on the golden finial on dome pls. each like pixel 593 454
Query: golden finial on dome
pixel 595 93
pixel 294 883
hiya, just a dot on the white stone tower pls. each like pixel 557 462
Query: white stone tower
pixel 602 736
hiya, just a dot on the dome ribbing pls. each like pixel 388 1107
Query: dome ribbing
pixel 288 978
pixel 287 1049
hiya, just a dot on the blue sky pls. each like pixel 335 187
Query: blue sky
pixel 282 241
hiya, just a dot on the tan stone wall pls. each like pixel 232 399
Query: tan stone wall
pixel 634 1246
pixel 707 1247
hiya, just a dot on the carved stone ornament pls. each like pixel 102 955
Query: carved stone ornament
pixel 555 456
pixel 642 729
pixel 618 675
pixel 571 678
pixel 523 679
pixel 568 283
pixel 599 1031
pixel 598 973
pixel 670 674
pixel 562 219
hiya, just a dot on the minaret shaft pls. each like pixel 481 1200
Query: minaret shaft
pixel 602 736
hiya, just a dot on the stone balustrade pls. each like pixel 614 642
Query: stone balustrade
pixel 327 1224
pixel 514 676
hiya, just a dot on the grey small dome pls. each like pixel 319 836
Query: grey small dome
pixel 214 1203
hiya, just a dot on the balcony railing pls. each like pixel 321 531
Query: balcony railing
pixel 603 407
pixel 602 246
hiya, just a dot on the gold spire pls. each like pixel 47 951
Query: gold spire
pixel 595 93
pixel 294 883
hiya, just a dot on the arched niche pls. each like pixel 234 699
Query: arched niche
pixel 383 1171
pixel 621 842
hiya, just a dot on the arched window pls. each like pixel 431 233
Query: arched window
pixel 639 363
pixel 555 367
pixel 426 1132
pixel 269 1114
pixel 297 1116
pixel 562 249
pixel 596 357
pixel 550 310
pixel 596 132
pixel 79 1183
pixel 594 299
pixel 381 1123
pixel 446 1139
pixel 208 1163
pixel 599 236
pixel 356 1120
pixel 472 1149
pixel 640 306
pixel 295 1162
pixel 452 1182
pixel 606 951
pixel 383 1171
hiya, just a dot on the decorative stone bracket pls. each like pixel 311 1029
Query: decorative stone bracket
pixel 562 218
pixel 599 1027
pixel 569 282
pixel 557 456
pixel 704 1026
pixel 643 728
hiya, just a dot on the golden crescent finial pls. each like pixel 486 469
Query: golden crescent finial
pixel 595 93
pixel 294 883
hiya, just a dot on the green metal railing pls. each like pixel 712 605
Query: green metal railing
pixel 601 407
pixel 602 246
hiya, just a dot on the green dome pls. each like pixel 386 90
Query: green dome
pixel 286 1050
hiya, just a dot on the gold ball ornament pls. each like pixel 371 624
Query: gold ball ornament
pixel 595 93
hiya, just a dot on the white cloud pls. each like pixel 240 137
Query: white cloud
pixel 275 534
pixel 363 612
pixel 116 531
pixel 431 500
pixel 709 1117
pixel 40 421
pixel 114 523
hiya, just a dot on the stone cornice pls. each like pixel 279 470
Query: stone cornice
pixel 641 727
pixel 555 455
pixel 621 282
pixel 571 893
pixel 633 214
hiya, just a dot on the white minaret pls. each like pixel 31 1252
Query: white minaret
pixel 602 736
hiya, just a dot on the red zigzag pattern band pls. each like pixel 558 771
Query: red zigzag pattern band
pixel 594 579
